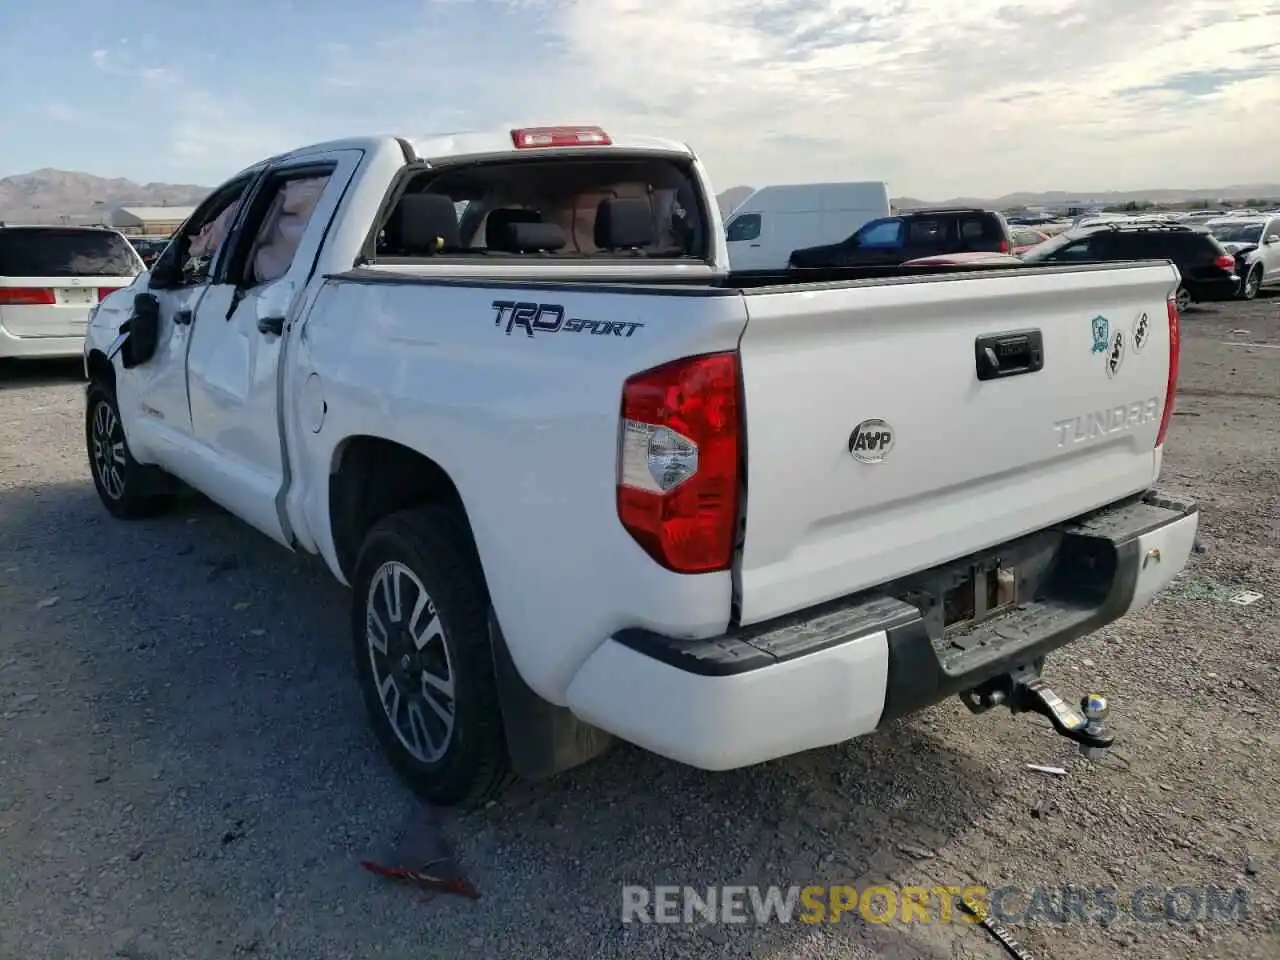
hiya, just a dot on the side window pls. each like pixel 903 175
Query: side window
pixel 745 226
pixel 1085 249
pixel 200 238
pixel 275 224
pixel 886 233
pixel 926 232
pixel 1271 231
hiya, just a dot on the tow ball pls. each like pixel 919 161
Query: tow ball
pixel 1087 726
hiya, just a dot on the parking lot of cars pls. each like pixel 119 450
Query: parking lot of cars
pixel 184 771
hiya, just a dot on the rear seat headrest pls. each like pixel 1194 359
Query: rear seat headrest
pixel 497 226
pixel 534 237
pixel 424 223
pixel 623 223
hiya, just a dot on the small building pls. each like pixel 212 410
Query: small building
pixel 149 221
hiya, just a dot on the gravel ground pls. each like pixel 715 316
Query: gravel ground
pixel 185 770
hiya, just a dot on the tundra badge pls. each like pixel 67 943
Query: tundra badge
pixel 871 441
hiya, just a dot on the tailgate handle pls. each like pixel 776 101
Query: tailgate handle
pixel 1009 354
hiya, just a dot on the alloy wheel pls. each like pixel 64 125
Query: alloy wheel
pixel 108 449
pixel 410 661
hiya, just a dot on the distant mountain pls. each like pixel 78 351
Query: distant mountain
pixel 47 196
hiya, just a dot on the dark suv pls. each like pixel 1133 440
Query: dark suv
pixel 1208 270
pixel 889 241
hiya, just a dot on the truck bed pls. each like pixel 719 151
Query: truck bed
pixel 735 282
pixel 971 457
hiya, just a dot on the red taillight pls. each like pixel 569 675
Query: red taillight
pixel 1225 262
pixel 26 297
pixel 678 462
pixel 104 292
pixel 1175 355
pixel 1004 246
pixel 533 137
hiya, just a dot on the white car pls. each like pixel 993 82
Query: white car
pixel 585 482
pixel 50 279
pixel 1255 243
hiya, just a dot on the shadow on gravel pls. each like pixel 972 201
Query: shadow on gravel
pixel 16 374
pixel 192 712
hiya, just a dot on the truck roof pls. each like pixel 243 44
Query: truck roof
pixel 439 146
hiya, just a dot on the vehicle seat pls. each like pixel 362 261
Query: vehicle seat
pixel 498 232
pixel 283 227
pixel 624 224
pixel 423 224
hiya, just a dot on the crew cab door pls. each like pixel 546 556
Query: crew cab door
pixel 153 395
pixel 242 327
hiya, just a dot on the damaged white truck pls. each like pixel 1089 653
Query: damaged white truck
pixel 586 482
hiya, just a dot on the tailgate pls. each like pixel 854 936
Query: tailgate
pixel 874 448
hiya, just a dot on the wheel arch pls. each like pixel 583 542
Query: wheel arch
pixel 372 477
pixel 98 368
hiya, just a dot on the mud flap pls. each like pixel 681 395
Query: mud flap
pixel 542 738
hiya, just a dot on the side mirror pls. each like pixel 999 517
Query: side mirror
pixel 1274 238
pixel 143 329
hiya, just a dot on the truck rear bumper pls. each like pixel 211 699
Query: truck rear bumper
pixel 838 671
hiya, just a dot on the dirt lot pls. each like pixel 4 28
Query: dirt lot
pixel 185 770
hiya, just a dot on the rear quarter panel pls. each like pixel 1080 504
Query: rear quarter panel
pixel 527 428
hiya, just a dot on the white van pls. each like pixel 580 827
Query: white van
pixel 764 229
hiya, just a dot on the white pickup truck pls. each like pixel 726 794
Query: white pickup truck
pixel 585 482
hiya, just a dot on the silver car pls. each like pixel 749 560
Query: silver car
pixel 1255 243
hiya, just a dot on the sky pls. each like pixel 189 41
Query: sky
pixel 939 97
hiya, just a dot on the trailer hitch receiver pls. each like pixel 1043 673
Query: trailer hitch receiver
pixel 1021 693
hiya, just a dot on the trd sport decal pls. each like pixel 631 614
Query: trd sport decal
pixel 550 318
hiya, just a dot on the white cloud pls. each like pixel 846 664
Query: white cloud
pixel 939 97
pixel 943 97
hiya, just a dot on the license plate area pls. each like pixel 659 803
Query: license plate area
pixel 76 296
pixel 981 591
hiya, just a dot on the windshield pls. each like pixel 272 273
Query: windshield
pixel 1237 232
pixel 64 252
pixel 551 208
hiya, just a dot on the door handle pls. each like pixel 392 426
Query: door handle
pixel 182 318
pixel 271 325
pixel 1009 354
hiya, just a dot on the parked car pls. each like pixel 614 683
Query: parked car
pixel 764 229
pixel 50 278
pixel 149 248
pixel 523 435
pixel 1208 270
pixel 1024 238
pixel 921 233
pixel 1255 243
pixel 967 260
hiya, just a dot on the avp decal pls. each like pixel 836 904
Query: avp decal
pixel 1141 332
pixel 871 441
pixel 1115 355
pixel 1101 327
pixel 551 318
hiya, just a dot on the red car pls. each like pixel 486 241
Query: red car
pixel 1024 238
pixel 972 258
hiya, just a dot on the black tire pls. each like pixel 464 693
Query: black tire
pixel 128 489
pixel 1184 299
pixel 1251 284
pixel 468 765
